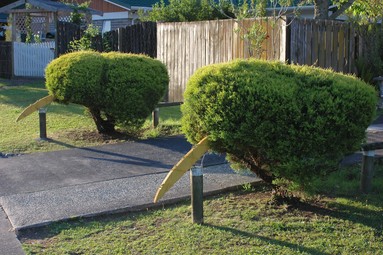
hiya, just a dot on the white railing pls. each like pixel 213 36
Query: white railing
pixel 30 59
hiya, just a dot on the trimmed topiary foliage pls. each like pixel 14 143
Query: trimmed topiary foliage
pixel 76 78
pixel 136 83
pixel 117 88
pixel 280 121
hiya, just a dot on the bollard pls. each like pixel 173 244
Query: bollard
pixel 196 181
pixel 379 80
pixel 156 117
pixel 367 171
pixel 43 123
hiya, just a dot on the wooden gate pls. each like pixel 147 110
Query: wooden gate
pixel 30 59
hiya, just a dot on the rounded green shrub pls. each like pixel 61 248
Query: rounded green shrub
pixel 77 78
pixel 280 121
pixel 135 85
pixel 117 88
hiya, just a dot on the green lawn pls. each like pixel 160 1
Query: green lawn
pixel 67 125
pixel 235 223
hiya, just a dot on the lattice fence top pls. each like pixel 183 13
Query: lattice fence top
pixel 38 24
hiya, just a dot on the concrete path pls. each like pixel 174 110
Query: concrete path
pixel 41 188
pixel 9 244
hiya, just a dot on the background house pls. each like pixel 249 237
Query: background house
pixel 35 34
pixel 118 13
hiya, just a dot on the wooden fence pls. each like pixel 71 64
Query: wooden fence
pixel 6 63
pixel 66 32
pixel 184 47
pixel 139 38
pixel 324 43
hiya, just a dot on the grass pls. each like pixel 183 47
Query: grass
pixel 169 123
pixel 68 126
pixel 335 221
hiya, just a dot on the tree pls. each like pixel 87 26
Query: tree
pixel 78 15
pixel 366 15
pixel 364 12
pixel 188 10
pixel 86 40
pixel 322 6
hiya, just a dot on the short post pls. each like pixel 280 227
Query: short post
pixel 379 80
pixel 367 171
pixel 43 123
pixel 196 180
pixel 156 117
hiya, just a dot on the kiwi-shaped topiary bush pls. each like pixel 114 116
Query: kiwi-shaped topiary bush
pixel 135 85
pixel 283 122
pixel 117 88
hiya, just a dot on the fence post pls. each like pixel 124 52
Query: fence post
pixel 367 171
pixel 196 181
pixel 43 123
pixel 120 36
pixel 156 117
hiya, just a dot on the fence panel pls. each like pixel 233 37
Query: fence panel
pixel 30 59
pixel 6 60
pixel 66 32
pixel 323 43
pixel 185 47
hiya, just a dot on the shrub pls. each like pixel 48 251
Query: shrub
pixel 77 78
pixel 117 88
pixel 280 121
pixel 135 85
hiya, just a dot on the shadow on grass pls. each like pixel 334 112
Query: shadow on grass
pixel 24 96
pixel 30 82
pixel 67 109
pixel 267 239
pixel 369 218
pixel 21 96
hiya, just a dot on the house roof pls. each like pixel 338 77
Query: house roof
pixel 144 3
pixel 6 2
pixel 127 4
pixel 121 3
pixel 47 5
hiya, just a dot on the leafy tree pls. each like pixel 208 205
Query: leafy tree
pixel 321 8
pixel 365 12
pixel 86 40
pixel 366 15
pixel 188 10
pixel 195 10
pixel 78 15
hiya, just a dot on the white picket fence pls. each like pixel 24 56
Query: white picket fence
pixel 30 59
